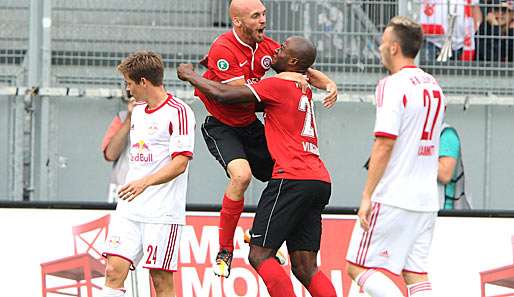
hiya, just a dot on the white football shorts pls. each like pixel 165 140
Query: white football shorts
pixel 397 240
pixel 156 244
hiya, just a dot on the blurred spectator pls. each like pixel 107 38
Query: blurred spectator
pixel 450 176
pixel 495 36
pixel 434 17
pixel 115 147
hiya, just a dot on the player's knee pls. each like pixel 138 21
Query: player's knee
pixel 352 271
pixel 114 275
pixel 256 257
pixel 303 272
pixel 162 281
pixel 241 178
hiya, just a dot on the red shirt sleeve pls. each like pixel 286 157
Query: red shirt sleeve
pixel 267 90
pixel 223 63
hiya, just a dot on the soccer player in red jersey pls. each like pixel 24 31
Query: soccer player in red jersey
pixel 291 205
pixel 233 134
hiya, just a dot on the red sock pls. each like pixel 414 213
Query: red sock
pixel 321 286
pixel 229 216
pixel 276 279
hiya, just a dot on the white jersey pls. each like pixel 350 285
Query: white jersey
pixel 156 136
pixel 410 109
pixel 434 18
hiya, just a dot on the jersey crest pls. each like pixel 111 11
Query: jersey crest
pixel 222 64
pixel 266 62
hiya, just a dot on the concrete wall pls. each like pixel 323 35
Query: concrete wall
pixel 77 172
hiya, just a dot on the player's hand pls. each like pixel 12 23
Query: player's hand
pixel 184 71
pixel 299 78
pixel 130 104
pixel 131 190
pixel 364 213
pixel 331 98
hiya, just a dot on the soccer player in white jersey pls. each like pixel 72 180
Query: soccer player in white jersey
pixel 400 198
pixel 151 211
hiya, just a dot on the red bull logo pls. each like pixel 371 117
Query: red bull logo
pixel 140 152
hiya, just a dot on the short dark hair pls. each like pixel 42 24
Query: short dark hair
pixel 408 33
pixel 143 64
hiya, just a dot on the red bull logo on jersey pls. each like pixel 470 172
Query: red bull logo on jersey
pixel 140 152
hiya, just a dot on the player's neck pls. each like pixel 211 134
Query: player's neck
pixel 156 97
pixel 401 63
pixel 246 39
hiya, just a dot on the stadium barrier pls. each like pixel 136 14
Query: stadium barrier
pixel 469 253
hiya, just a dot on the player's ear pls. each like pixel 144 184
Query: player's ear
pixel 293 61
pixel 395 48
pixel 236 21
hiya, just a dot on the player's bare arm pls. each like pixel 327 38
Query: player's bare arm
pixel 380 155
pixel 300 79
pixel 174 168
pixel 321 81
pixel 445 169
pixel 119 140
pixel 317 79
pixel 220 92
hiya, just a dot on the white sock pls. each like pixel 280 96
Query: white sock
pixel 110 292
pixel 421 289
pixel 377 284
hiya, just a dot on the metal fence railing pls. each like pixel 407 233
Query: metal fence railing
pixel 14 40
pixel 89 38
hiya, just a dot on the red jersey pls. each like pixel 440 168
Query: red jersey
pixel 291 131
pixel 231 59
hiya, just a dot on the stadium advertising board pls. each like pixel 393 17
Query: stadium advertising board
pixel 462 249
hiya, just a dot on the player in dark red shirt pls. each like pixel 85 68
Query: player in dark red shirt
pixel 291 205
pixel 233 134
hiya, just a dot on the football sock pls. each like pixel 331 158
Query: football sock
pixel 277 281
pixel 229 216
pixel 321 286
pixel 421 289
pixel 377 284
pixel 110 292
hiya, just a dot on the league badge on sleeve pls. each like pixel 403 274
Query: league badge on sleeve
pixel 222 65
pixel 266 62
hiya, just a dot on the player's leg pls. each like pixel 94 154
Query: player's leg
pixel 116 271
pixel 123 250
pixel 373 282
pixel 224 144
pixel 304 241
pixel 415 271
pixel 274 220
pixel 161 246
pixel 418 285
pixel 384 245
pixel 163 283
pixel 256 150
pixel 275 278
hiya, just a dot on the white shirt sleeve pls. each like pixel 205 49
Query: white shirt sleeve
pixel 389 98
pixel 182 126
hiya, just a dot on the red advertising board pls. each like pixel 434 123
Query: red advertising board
pixel 199 245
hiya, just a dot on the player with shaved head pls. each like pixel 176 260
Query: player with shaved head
pixel 290 207
pixel 233 134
